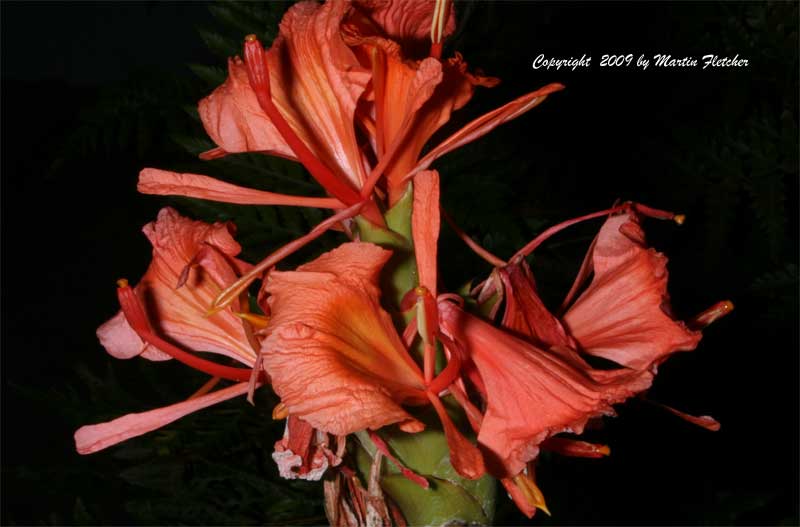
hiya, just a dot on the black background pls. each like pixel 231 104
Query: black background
pixel 91 93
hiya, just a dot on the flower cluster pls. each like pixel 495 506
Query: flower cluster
pixel 355 90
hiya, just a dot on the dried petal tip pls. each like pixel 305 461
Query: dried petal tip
pixel 712 314
pixel 679 218
pixel 280 412
pixel 122 283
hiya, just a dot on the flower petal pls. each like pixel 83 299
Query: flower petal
pixel 332 352
pixel 452 89
pixel 425 223
pixel 93 438
pixel 179 314
pixel 531 393
pixel 166 183
pixel 315 82
pixel 122 342
pixel 622 314
pixel 525 313
pixel 408 23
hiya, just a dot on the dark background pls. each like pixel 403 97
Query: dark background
pixel 91 93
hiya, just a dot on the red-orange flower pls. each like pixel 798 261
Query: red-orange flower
pixel 339 73
pixel 531 375
pixel 315 82
pixel 335 358
pixel 332 352
pixel 166 312
pixel 624 314
pixel 192 262
pixel 531 393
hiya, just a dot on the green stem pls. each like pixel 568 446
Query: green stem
pixel 450 498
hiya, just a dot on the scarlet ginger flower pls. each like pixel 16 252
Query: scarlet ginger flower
pixel 166 311
pixel 536 384
pixel 201 259
pixel 333 75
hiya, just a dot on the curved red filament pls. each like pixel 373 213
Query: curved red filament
pixel 136 317
pixel 258 74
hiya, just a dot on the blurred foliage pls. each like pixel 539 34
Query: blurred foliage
pixel 734 167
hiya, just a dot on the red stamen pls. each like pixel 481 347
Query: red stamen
pixel 436 50
pixel 409 300
pixel 381 445
pixel 574 448
pixel 136 317
pixel 710 315
pixel 232 291
pixel 536 242
pixel 428 322
pixel 658 213
pixel 410 332
pixel 441 10
pixel 379 86
pixel 258 74
pixel 453 369
pixel 474 416
pixel 386 158
pixel 703 421
pixel 477 249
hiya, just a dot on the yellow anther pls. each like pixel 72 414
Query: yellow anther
pixel 679 218
pixel 122 282
pixel 250 38
pixel 421 290
pixel 531 492
pixel 280 412
pixel 259 321
pixel 605 450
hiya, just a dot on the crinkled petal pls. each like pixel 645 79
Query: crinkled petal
pixel 410 100
pixel 622 316
pixel 179 313
pixel 407 22
pixel 452 89
pixel 315 82
pixel 531 393
pixel 486 123
pixel 332 352
pixel 93 438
